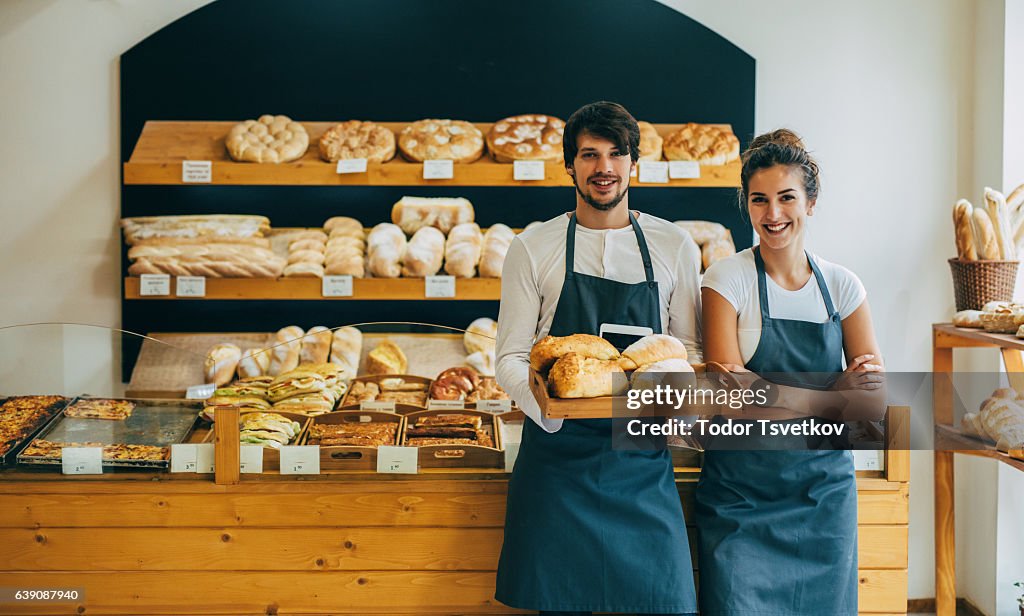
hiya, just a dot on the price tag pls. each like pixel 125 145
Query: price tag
pixel 300 460
pixel 374 405
pixel 196 171
pixel 527 170
pixel 401 460
pixel 868 459
pixel 351 165
pixel 183 458
pixel 494 406
pixel 683 169
pixel 653 172
pixel 336 286
pixel 200 392
pixel 446 405
pixel 154 284
pixel 81 460
pixel 439 286
pixel 438 170
pixel 190 286
pixel 204 458
pixel 511 453
pixel 251 459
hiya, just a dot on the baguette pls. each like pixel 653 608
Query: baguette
pixel 220 364
pixel 964 234
pixel 1015 199
pixel 984 235
pixel 254 362
pixel 316 345
pixel 346 348
pixel 995 205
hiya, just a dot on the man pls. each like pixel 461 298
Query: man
pixel 590 528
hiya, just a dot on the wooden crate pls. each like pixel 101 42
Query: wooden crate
pixel 460 456
pixel 352 457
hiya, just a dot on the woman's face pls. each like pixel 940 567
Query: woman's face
pixel 778 205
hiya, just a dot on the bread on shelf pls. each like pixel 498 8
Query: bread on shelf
pixel 414 213
pixel 462 250
pixel 386 358
pixel 355 139
pixel 385 247
pixel 704 143
pixel 497 240
pixel 270 139
pixel 424 253
pixel 650 142
pixel 526 137
pixel 454 140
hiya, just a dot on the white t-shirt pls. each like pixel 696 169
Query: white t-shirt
pixel 735 279
pixel 534 271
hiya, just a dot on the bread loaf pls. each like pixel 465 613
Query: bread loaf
pixel 496 243
pixel 480 335
pixel 386 358
pixel 703 231
pixel 551 348
pixel 962 228
pixel 1015 200
pixel 716 250
pixel 284 352
pixel 650 349
pixel 576 376
pixel 424 254
pixel 304 270
pixel 414 213
pixel 385 247
pixel 254 362
pixel 482 361
pixel 297 245
pixel 220 364
pixel 673 371
pixel 462 251
pixel 346 348
pixel 995 205
pixel 316 345
pixel 984 235
pixel 344 226
pixel 968 318
pixel 306 256
pixel 346 264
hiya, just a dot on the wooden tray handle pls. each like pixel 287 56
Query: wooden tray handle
pixel 725 377
pixel 347 455
pixel 450 453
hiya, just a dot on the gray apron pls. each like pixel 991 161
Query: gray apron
pixel 589 528
pixel 777 530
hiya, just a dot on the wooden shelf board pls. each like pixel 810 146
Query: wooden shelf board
pixel 310 289
pixel 951 437
pixel 162 147
pixel 948 335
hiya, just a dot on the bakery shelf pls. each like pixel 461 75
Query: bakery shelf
pixel 311 289
pixel 162 146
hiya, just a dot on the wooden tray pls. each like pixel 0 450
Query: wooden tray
pixel 354 457
pixel 460 456
pixel 271 456
pixel 377 378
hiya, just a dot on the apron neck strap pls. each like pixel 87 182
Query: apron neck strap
pixel 570 248
pixel 762 284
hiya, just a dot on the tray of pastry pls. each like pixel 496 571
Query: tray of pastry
pixel 454 439
pixel 349 440
pixel 463 387
pixel 390 389
pixel 132 432
pixel 21 418
pixel 271 429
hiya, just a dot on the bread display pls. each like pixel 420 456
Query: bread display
pixel 316 345
pixel 253 362
pixel 346 247
pixel 213 257
pixel 221 362
pixel 968 318
pixel 444 213
pixel 526 137
pixel 271 430
pixel 551 348
pixel 577 376
pixel 999 419
pixel 199 227
pixel 447 429
pixel 346 349
pixel 454 140
pixel 1002 317
pixel 355 139
pixel 650 142
pixel 964 230
pixel 386 358
pixel 21 415
pixel 704 143
pixel 94 408
pixel 385 248
pixel 309 389
pixel 462 250
pixel 362 391
pixel 304 270
pixel 344 226
pixel 295 382
pixel 398 390
pixel 270 139
pixel 454 384
pixel 357 434
pixel 41 448
pixel 651 349
pixel 424 253
pixel 716 250
pixel 488 389
pixel 285 349
pixel 481 335
pixel 496 243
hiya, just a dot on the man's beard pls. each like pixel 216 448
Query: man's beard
pixel 604 207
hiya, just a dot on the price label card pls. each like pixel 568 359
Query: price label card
pixel 439 286
pixel 250 459
pixel 446 405
pixel 494 406
pixel 653 172
pixel 374 405
pixel 300 460
pixel 190 286
pixel 204 458
pixel 438 170
pixel 154 284
pixel 200 392
pixel 684 169
pixel 183 458
pixel 351 165
pixel 868 459
pixel 527 170
pixel 196 171
pixel 336 286
pixel 81 460
pixel 511 453
pixel 400 460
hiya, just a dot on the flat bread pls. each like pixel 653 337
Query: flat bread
pixel 101 409
pixel 704 143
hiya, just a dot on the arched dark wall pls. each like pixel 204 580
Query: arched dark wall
pixel 402 60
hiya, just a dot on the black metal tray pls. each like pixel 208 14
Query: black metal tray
pixel 11 455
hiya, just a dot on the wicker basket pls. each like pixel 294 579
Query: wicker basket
pixel 975 283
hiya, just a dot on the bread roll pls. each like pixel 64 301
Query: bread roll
pixel 386 358
pixel 316 345
pixel 968 318
pixel 650 349
pixel 414 213
pixel 254 362
pixel 678 373
pixel 344 226
pixel 551 348
pixel 309 234
pixel 345 243
pixel 304 270
pixel 220 364
pixel 482 361
pixel 995 205
pixel 385 247
pixel 462 252
pixel 307 244
pixel 424 254
pixel 480 335
pixel 496 242
pixel 984 235
pixel 306 256
pixel 576 376
pixel 346 264
pixel 347 347
pixel 962 228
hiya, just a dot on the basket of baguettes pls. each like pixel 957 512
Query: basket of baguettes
pixel 988 241
pixel 583 376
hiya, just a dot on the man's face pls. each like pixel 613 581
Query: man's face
pixel 600 171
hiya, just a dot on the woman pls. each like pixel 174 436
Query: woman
pixel 777 519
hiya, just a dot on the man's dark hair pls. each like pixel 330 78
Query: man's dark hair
pixel 602 119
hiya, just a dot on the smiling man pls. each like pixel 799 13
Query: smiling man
pixel 590 528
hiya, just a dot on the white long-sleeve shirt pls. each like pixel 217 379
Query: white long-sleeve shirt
pixel 534 270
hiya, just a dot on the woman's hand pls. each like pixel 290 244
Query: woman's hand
pixel 860 374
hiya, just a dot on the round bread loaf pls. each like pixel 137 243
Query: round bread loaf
pixel 704 143
pixel 270 139
pixel 455 140
pixel 650 142
pixel 526 137
pixel 355 139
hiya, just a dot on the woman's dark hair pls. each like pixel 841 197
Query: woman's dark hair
pixel 602 119
pixel 779 147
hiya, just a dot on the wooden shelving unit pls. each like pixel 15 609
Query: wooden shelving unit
pixel 311 289
pixel 162 146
